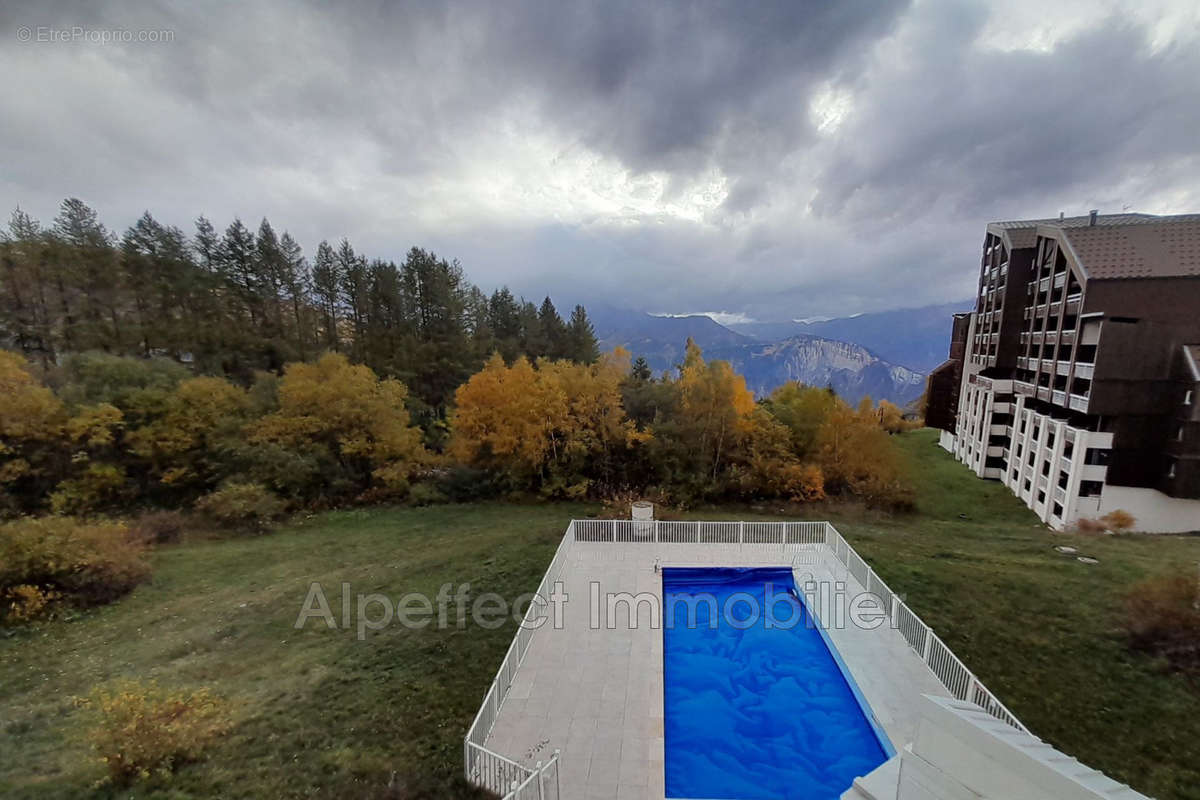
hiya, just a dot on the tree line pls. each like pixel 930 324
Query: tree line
pixel 233 302
pixel 106 434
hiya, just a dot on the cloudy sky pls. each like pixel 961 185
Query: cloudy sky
pixel 768 160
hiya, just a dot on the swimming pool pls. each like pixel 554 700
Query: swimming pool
pixel 758 707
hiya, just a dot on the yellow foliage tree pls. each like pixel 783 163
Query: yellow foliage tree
pixel 715 407
pixel 182 445
pixel 857 456
pixel 31 424
pixel 803 409
pixel 558 426
pixel 346 410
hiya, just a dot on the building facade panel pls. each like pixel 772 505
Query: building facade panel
pixel 1079 388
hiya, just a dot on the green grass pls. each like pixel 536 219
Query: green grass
pixel 1041 629
pixel 321 714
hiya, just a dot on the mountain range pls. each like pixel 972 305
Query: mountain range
pixel 917 338
pixel 852 369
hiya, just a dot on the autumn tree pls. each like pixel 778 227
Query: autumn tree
pixel 32 421
pixel 347 430
pixel 559 428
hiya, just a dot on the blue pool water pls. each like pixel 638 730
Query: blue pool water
pixel 760 707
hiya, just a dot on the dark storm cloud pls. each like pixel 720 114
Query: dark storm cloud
pixel 983 131
pixel 671 156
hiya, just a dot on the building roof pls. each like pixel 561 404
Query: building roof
pixel 1023 232
pixel 1159 247
pixel 1117 245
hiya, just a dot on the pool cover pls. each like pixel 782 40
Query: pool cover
pixel 757 707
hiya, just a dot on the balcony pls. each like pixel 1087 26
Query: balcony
pixel 1023 388
pixel 1060 495
pixel 1084 370
pixel 1043 393
pixel 1073 302
pixel 1064 464
pixel 1067 336
pixel 1079 402
pixel 1059 398
pixel 1062 367
pixel 1060 279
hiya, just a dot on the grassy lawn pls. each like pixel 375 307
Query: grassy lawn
pixel 319 713
pixel 1042 630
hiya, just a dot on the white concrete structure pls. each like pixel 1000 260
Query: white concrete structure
pixel 962 753
pixel 576 709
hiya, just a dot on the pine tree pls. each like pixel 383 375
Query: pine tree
pixel 581 338
pixel 352 269
pixel 296 288
pixel 326 285
pixel 553 331
pixel 505 317
pixel 84 259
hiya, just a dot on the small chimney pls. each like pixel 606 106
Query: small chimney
pixel 1092 217
pixel 1061 214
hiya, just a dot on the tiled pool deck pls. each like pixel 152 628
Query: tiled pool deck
pixel 597 694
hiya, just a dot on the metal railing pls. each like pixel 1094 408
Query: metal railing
pixel 484 767
pixel 514 781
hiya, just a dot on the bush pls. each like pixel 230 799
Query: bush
pixel 467 484
pixel 158 527
pixel 100 486
pixel 1117 521
pixel 242 505
pixel 143 730
pixel 1163 617
pixel 29 603
pixel 84 563
pixel 425 494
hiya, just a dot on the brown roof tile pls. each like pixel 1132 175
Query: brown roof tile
pixel 1155 248
pixel 1023 232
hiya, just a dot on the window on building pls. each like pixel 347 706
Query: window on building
pixel 1090 488
pixel 1041 497
pixel 1095 457
pixel 1027 484
pixel 1057 510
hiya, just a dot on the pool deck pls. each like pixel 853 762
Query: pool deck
pixel 596 694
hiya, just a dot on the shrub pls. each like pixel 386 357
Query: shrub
pixel 1118 520
pixel 98 487
pixel 85 563
pixel 425 494
pixel 158 527
pixel 142 730
pixel 28 603
pixel 241 505
pixel 1163 617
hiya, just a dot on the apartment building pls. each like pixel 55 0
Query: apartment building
pixel 943 384
pixel 1080 383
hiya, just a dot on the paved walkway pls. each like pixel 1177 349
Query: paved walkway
pixel 597 695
